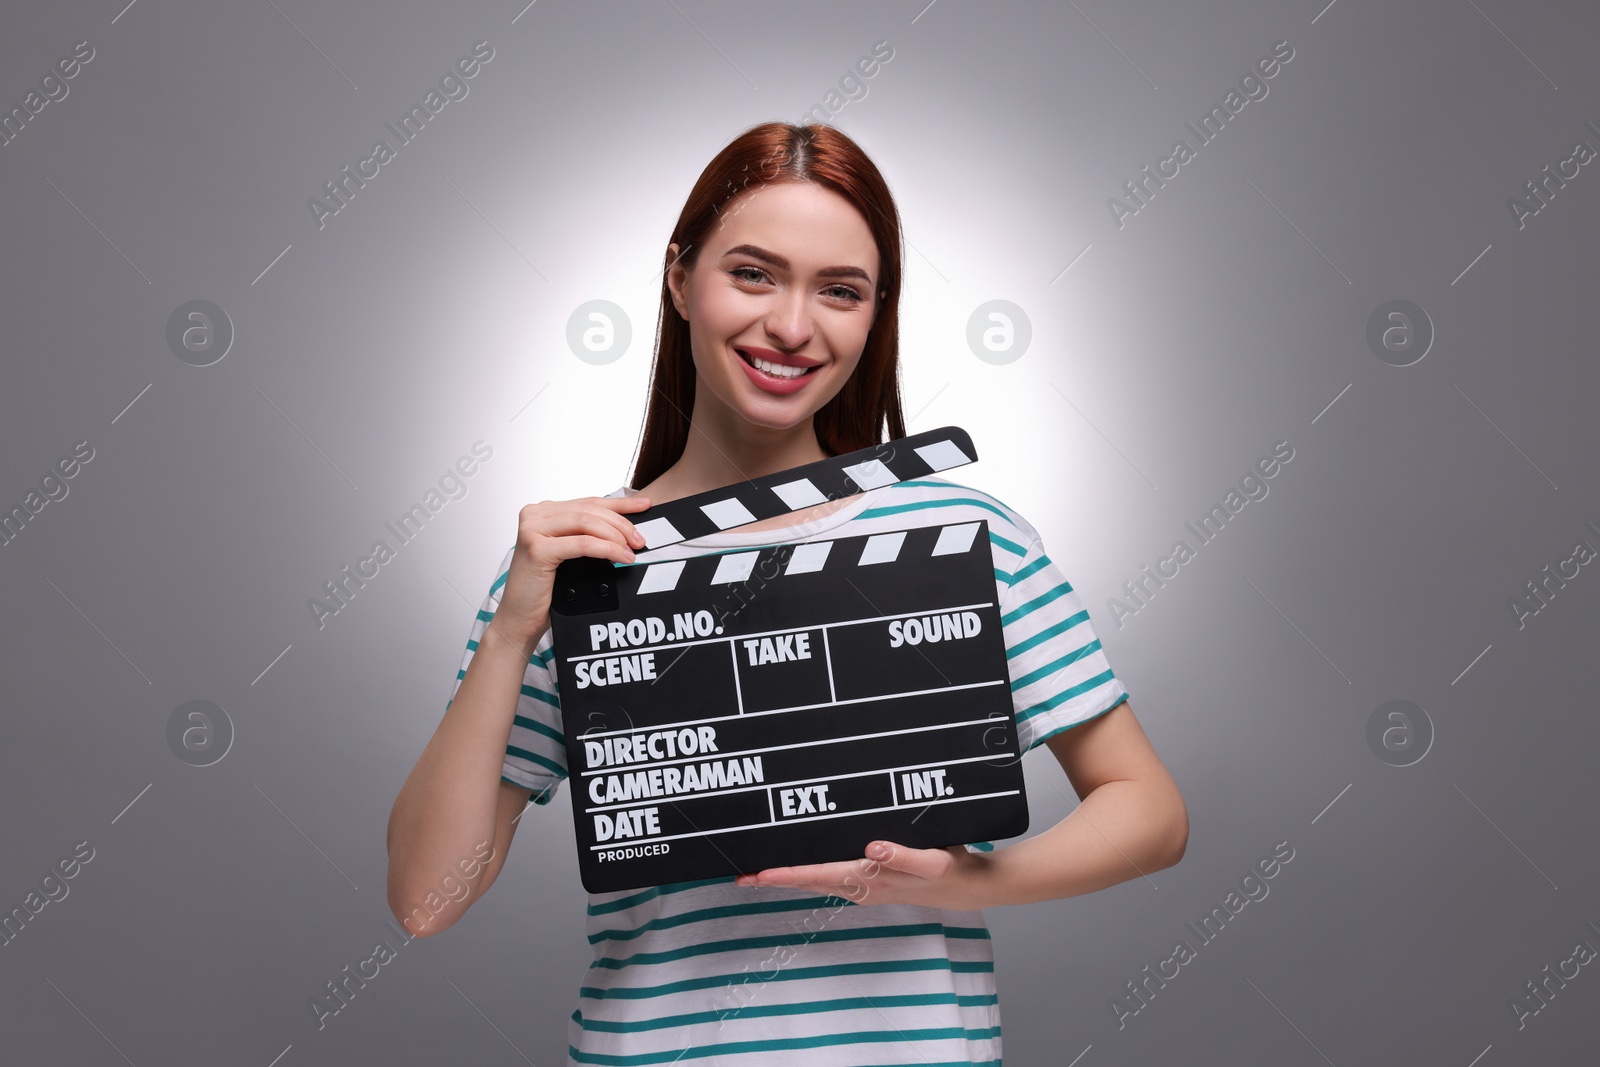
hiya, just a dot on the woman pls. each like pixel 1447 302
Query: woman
pixel 778 347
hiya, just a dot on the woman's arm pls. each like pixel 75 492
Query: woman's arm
pixel 1132 819
pixel 453 808
pixel 454 802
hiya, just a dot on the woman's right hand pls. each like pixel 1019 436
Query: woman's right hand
pixel 555 530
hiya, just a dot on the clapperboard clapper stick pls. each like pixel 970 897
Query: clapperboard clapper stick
pixel 787 704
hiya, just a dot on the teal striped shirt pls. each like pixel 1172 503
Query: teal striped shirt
pixel 709 972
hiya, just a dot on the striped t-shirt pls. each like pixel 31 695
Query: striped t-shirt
pixel 716 974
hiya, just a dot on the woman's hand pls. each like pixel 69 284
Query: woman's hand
pixel 951 878
pixel 548 533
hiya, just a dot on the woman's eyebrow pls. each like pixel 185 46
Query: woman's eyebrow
pixel 781 263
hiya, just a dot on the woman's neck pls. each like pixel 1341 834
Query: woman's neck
pixel 728 449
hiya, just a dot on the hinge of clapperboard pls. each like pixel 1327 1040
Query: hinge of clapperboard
pixel 584 585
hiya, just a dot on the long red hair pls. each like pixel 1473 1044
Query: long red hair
pixel 767 154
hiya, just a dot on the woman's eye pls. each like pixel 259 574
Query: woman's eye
pixel 755 275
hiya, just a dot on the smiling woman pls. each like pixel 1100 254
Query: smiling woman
pixel 782 292
pixel 778 346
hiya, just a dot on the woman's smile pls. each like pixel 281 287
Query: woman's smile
pixel 774 373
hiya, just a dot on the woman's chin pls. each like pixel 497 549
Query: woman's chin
pixel 776 416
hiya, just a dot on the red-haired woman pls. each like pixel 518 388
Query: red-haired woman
pixel 778 346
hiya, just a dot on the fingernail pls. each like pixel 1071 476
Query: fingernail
pixel 878 852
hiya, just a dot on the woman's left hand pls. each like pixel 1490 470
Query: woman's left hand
pixel 952 878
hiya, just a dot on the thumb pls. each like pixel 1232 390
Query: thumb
pixel 896 857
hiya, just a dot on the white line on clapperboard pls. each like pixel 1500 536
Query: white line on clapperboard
pixel 770 786
pixel 735 638
pixel 676 723
pixel 701 758
pixel 805 818
pixel 738 693
pixel 827 653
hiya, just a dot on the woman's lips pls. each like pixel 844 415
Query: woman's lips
pixel 770 384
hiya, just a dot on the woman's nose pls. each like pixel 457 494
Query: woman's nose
pixel 790 321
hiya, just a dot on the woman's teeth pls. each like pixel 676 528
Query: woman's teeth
pixel 777 370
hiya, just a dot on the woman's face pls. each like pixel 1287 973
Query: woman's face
pixel 788 276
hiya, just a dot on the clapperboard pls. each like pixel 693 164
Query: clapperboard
pixel 788 704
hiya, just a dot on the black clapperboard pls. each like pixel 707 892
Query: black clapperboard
pixel 787 704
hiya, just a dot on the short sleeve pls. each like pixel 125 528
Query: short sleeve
pixel 1059 673
pixel 536 752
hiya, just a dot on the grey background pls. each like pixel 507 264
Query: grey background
pixel 1228 314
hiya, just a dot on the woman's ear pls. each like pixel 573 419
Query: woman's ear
pixel 677 281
